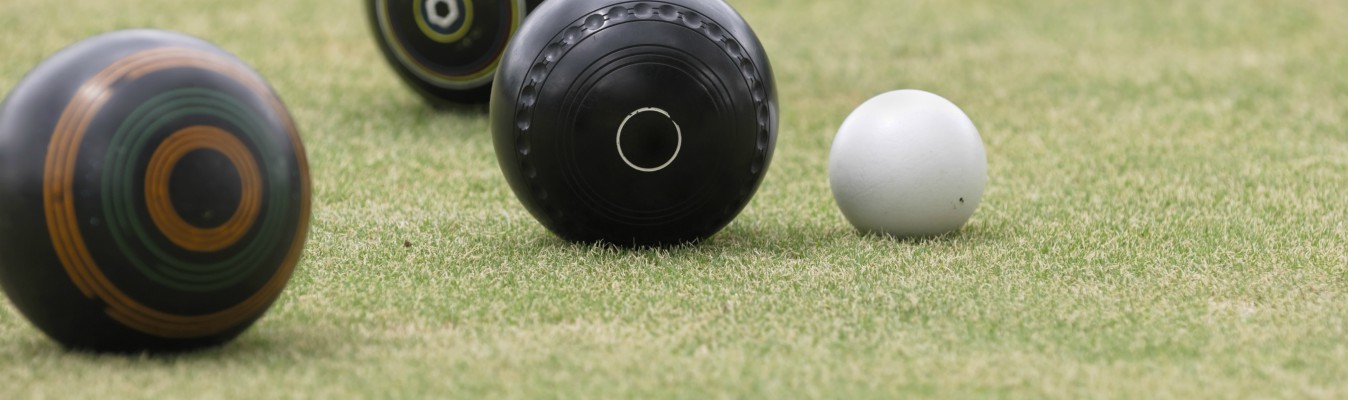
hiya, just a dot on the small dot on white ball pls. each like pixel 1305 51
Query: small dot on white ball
pixel 907 163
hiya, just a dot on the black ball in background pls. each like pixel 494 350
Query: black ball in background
pixel 634 122
pixel 154 194
pixel 447 50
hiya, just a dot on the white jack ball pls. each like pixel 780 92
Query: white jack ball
pixel 907 163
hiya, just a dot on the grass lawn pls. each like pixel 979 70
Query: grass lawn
pixel 1166 217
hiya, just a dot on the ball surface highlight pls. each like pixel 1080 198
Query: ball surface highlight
pixel 907 163
pixel 634 122
pixel 154 194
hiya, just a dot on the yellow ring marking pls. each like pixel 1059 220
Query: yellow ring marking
pixel 419 8
pixel 424 71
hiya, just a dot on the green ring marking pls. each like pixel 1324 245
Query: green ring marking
pixel 124 202
pixel 118 190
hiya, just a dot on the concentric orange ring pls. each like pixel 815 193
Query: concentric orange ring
pixel 159 201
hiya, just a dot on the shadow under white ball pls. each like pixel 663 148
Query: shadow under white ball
pixel 907 163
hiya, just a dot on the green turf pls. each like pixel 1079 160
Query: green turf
pixel 1165 218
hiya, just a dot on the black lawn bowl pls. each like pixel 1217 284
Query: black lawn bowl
pixel 447 50
pixel 636 123
pixel 154 194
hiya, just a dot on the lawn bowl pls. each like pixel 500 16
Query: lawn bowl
pixel 634 123
pixel 154 194
pixel 446 50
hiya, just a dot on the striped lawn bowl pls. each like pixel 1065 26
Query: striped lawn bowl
pixel 173 188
